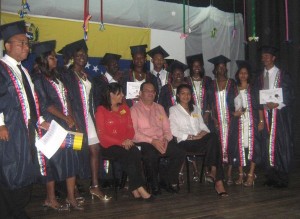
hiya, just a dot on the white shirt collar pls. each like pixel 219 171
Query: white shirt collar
pixel 271 71
pixel 155 72
pixel 11 60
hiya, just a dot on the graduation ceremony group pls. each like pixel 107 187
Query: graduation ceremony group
pixel 146 121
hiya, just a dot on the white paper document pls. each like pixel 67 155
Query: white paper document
pixel 271 95
pixel 52 140
pixel 133 89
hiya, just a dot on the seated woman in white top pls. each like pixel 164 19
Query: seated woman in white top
pixel 192 134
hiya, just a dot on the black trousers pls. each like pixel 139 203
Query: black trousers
pixel 151 158
pixel 130 161
pixel 13 202
pixel 210 145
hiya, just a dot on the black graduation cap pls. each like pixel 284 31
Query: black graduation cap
pixel 169 61
pixel 269 49
pixel 11 29
pixel 138 49
pixel 243 64
pixel 63 51
pixel 42 47
pixel 158 50
pixel 71 48
pixel 197 57
pixel 177 64
pixel 219 59
pixel 109 56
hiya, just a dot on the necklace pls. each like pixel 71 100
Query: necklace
pixel 80 75
pixel 196 78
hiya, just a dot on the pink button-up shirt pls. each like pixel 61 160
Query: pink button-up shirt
pixel 150 122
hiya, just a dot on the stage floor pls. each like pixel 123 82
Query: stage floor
pixel 201 202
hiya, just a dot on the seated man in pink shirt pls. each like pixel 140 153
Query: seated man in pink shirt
pixel 153 135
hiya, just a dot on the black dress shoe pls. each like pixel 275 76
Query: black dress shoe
pixel 150 199
pixel 155 191
pixel 169 187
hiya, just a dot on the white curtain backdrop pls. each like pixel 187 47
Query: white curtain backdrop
pixel 170 41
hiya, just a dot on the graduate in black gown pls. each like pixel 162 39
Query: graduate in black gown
pixel 158 55
pixel 277 134
pixel 223 93
pixel 245 126
pixel 80 92
pixel 112 74
pixel 137 72
pixel 63 165
pixel 201 85
pixel 20 125
pixel 167 97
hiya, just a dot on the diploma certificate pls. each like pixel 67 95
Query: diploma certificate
pixel 271 95
pixel 133 89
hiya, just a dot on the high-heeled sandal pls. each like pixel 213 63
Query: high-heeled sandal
pixel 229 181
pixel 220 194
pixel 196 177
pixel 97 194
pixel 74 205
pixel 78 198
pixel 48 205
pixel 208 178
pixel 250 180
pixel 240 181
pixel 180 178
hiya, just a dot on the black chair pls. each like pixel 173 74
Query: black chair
pixel 116 184
pixel 189 154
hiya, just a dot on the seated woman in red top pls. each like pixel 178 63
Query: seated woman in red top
pixel 115 131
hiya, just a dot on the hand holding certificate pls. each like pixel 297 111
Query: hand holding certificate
pixel 133 90
pixel 271 96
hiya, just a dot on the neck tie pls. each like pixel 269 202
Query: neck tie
pixel 266 81
pixel 158 82
pixel 30 99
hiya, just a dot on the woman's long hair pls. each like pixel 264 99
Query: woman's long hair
pixel 187 86
pixel 114 88
pixel 42 66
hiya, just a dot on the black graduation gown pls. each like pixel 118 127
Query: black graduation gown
pixel 19 165
pixel 64 163
pixel 99 89
pixel 128 77
pixel 230 90
pixel 283 148
pixel 238 154
pixel 166 97
pixel 74 95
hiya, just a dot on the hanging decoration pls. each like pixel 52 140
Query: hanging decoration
pixel 184 35
pixel 287 38
pixel 190 29
pixel 234 31
pixel 214 30
pixel 245 30
pixel 102 28
pixel 25 8
pixel 253 19
pixel 86 19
